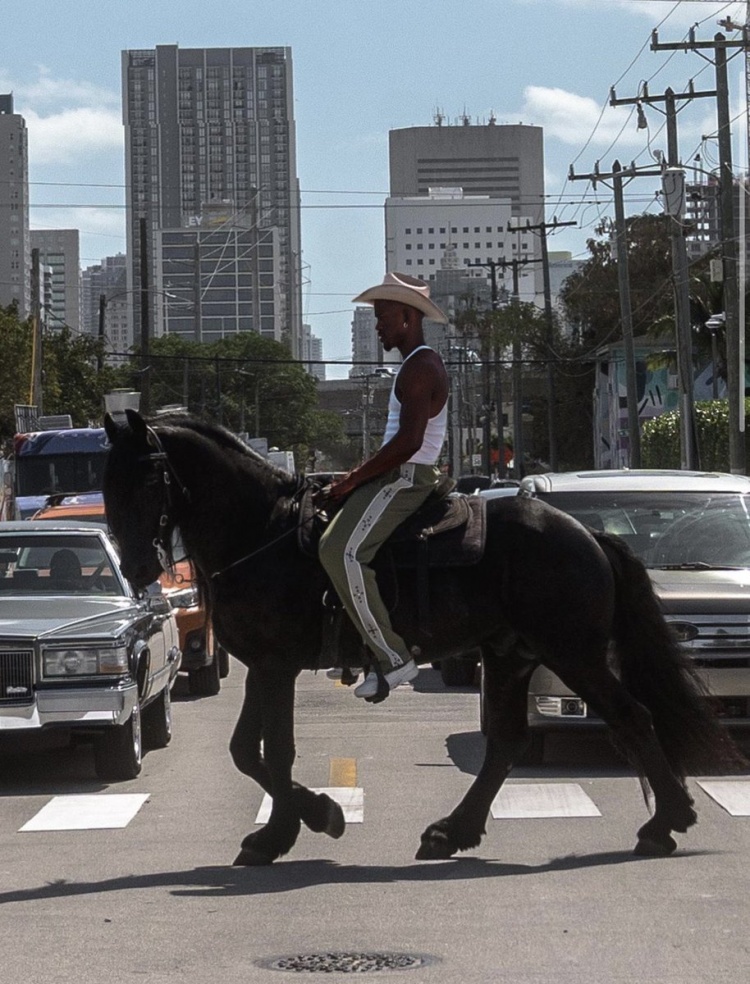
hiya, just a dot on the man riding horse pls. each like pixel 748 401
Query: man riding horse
pixel 388 487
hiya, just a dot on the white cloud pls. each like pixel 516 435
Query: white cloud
pixel 48 92
pixel 72 135
pixel 572 119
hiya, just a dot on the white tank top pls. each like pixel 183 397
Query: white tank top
pixel 434 434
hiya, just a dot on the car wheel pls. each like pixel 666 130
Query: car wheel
pixel 223 662
pixel 118 750
pixel 457 671
pixel 206 680
pixel 157 721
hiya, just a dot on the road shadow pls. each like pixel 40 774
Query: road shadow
pixel 292 876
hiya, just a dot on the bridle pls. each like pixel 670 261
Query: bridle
pixel 163 550
pixel 159 458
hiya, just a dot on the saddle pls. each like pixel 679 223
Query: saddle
pixel 448 530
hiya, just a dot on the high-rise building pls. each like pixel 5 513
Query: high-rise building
pixel 312 353
pixel 105 304
pixel 59 250
pixel 423 232
pixel 365 346
pixel 212 190
pixel 500 161
pixel 15 245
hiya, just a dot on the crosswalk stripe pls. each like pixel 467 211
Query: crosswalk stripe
pixel 732 795
pixel 549 799
pixel 86 812
pixel 350 799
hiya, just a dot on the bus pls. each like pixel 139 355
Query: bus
pixel 69 460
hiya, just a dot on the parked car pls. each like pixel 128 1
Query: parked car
pixel 692 531
pixel 78 649
pixel 203 659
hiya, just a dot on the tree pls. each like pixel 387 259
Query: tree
pixel 246 382
pixel 15 368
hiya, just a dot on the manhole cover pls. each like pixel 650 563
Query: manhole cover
pixel 346 963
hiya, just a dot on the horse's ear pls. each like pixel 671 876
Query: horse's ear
pixel 111 428
pixel 137 424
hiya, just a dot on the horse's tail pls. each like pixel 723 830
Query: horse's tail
pixel 660 675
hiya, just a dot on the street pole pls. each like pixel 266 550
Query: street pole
pixel 626 314
pixel 673 207
pixel 734 330
pixel 102 315
pixel 542 228
pixel 626 317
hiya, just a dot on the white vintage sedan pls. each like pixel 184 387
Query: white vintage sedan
pixel 78 649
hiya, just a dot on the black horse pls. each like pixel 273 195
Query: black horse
pixel 547 590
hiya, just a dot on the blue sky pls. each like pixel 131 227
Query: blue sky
pixel 361 68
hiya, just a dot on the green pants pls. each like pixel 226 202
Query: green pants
pixel 365 521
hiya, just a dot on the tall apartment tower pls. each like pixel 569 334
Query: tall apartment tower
pixel 104 304
pixel 210 165
pixel 59 249
pixel 15 245
pixel 499 161
pixel 365 345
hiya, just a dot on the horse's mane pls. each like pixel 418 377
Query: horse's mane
pixel 219 435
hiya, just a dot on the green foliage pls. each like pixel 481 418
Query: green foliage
pixel 246 382
pixel 660 440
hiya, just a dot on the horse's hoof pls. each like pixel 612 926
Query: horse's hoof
pixel 249 857
pixel 434 850
pixel 647 847
pixel 335 822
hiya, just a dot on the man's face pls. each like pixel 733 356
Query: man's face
pixel 390 323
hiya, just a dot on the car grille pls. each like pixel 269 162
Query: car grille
pixel 16 677
pixel 722 641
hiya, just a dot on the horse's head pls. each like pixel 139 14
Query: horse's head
pixel 135 497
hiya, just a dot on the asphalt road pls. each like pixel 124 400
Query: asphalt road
pixel 546 899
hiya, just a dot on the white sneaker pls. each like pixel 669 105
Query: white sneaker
pixel 336 672
pixel 397 676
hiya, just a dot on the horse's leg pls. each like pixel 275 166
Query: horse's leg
pixel 634 734
pixel 506 684
pixel 317 811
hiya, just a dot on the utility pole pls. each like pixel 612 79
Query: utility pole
pixel 487 347
pixel 735 371
pixel 542 228
pixel 673 207
pixel 626 314
pixel 102 315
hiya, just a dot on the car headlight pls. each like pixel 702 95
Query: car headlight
pixel 184 598
pixel 84 662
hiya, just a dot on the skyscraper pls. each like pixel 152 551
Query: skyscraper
pixel 499 161
pixel 210 165
pixel 59 250
pixel 15 245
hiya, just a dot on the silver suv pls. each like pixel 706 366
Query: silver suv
pixel 692 531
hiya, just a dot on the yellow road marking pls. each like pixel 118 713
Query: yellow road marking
pixel 342 772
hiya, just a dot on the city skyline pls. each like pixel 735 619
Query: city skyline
pixel 357 78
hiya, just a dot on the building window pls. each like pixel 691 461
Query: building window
pixel 407 232
pixel 466 228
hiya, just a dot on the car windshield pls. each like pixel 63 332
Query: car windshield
pixel 74 564
pixel 668 529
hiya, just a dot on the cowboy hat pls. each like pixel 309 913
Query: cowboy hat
pixel 403 289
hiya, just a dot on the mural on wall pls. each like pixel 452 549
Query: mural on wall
pixel 656 390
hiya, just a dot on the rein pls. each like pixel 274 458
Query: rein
pixel 159 456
